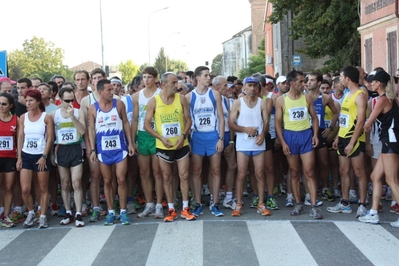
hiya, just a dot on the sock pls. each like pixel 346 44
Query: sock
pixel 1 209
pixel 393 202
pixel 289 195
pixel 70 212
pixel 171 206
pixel 111 212
pixel 150 204
pixel 129 199
pixel 32 211
pixel 352 192
pixel 96 208
pixel 185 204
pixel 159 205
pixel 373 212
pixel 18 209
pixel 42 216
pixel 229 196
pixel 39 208
pixel 123 210
pixel 78 213
pixel 307 196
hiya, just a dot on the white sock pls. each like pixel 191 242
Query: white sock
pixel 111 212
pixel 78 213
pixel 352 192
pixel 159 205
pixel 307 196
pixel 185 204
pixel 373 212
pixel 229 195
pixel 289 195
pixel 171 206
pixel 123 210
pixel 393 202
pixel 70 212
pixel 150 204
pixel 324 189
pixel 18 209
pixel 42 216
pixel 32 211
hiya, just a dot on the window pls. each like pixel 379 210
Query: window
pixel 368 54
pixel 392 52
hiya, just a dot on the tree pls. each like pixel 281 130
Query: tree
pixel 38 58
pixel 160 61
pixel 256 63
pixel 329 28
pixel 217 65
pixel 174 65
pixel 129 70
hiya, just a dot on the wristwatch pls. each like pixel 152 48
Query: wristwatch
pixel 185 136
pixel 221 138
pixel 44 156
pixel 331 128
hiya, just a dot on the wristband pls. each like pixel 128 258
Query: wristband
pixel 231 142
pixel 92 151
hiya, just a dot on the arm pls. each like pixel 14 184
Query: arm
pixel 278 120
pixel 187 121
pixel 265 117
pixel 92 134
pixel 84 106
pixel 381 103
pixel 151 106
pixel 20 141
pixel 315 121
pixel 331 104
pixel 48 120
pixel 135 118
pixel 219 109
pixel 126 125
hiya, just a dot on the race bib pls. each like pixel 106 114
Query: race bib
pixel 252 136
pixel 344 120
pixel 318 118
pixel 33 144
pixel 67 135
pixel 205 121
pixel 298 113
pixel 109 143
pixel 6 143
pixel 171 130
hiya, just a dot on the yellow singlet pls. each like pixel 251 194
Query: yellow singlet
pixel 296 117
pixel 348 118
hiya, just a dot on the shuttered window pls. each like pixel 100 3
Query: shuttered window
pixel 368 54
pixel 392 48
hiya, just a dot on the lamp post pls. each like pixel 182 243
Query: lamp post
pixel 166 56
pixel 148 30
pixel 102 43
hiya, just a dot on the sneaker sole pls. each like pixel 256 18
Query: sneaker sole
pixel 217 214
pixel 340 211
pixel 370 222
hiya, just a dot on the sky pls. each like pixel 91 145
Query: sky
pixel 190 30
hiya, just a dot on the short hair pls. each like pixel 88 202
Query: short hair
pixel 164 76
pixel 46 85
pixel 97 71
pixel 53 85
pixel 63 90
pixel 189 73
pixel 293 75
pixel 80 72
pixel 137 80
pixel 261 78
pixel 217 80
pixel 57 77
pixel 2 82
pixel 352 73
pixel 37 96
pixel 198 70
pixel 327 74
pixel 101 84
pixel 231 78
pixel 73 85
pixel 319 77
pixel 184 85
pixel 151 71
pixel 25 80
pixel 37 78
pixel 10 100
pixel 335 80
pixel 325 81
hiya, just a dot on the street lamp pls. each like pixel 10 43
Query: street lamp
pixel 102 43
pixel 149 46
pixel 166 56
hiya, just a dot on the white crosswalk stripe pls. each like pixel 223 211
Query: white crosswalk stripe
pixel 275 242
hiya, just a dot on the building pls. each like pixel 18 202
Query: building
pixel 90 66
pixel 379 22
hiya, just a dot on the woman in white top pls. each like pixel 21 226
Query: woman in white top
pixel 35 138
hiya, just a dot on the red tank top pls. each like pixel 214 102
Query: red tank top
pixel 8 145
pixel 76 104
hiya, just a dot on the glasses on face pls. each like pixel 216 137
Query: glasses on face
pixel 68 101
pixel 3 104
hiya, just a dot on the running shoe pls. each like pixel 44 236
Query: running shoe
pixel 307 202
pixel 263 210
pixel 172 215
pixel 7 222
pixel 43 222
pixel 271 204
pixel 255 202
pixel 327 195
pixel 298 209
pixel 216 211
pixel 130 209
pixel 230 204
pixel 353 198
pixel 361 211
pixel 67 220
pixel 110 219
pixel 315 213
pixel 186 214
pixel 79 221
pixel 340 208
pixel 148 211
pixel 289 202
pixel 124 218
pixel 394 208
pixel 282 189
pixel 54 209
pixel 158 212
pixel 17 217
pixel 205 191
pixel 95 216
pixel 368 218
pixel 395 224
pixel 198 210
pixel 237 210
pixel 30 219
pixel 84 209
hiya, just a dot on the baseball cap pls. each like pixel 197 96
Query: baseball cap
pixel 250 80
pixel 230 85
pixel 281 79
pixel 382 77
pixel 370 76
pixel 13 82
pixel 269 81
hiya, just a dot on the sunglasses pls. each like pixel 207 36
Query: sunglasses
pixel 4 104
pixel 68 101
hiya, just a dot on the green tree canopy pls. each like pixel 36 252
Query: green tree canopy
pixel 256 63
pixel 174 65
pixel 217 65
pixel 329 28
pixel 38 58
pixel 129 70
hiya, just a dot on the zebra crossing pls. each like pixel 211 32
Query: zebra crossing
pixel 205 242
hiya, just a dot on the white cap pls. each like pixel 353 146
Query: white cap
pixel 281 79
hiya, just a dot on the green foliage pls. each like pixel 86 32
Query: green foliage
pixel 256 63
pixel 217 65
pixel 129 70
pixel 329 28
pixel 38 58
pixel 174 65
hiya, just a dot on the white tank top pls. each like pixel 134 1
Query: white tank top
pixel 272 129
pixel 249 117
pixel 143 101
pixel 34 135
pixel 203 111
pixel 225 114
pixel 65 131
pixel 338 100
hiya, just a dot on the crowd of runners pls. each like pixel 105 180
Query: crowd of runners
pixel 163 143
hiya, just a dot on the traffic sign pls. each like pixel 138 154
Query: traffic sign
pixel 3 64
pixel 297 60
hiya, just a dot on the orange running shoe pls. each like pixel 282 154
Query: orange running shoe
pixel 186 214
pixel 237 210
pixel 262 210
pixel 172 215
pixel 164 204
pixel 141 199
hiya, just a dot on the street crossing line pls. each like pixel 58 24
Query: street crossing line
pixel 374 241
pixel 8 236
pixel 278 238
pixel 72 244
pixel 177 243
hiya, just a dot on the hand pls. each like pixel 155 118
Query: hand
pixel 131 150
pixel 70 111
pixel 136 150
pixel 93 157
pixel 166 142
pixel 369 149
pixel 315 141
pixel 277 144
pixel 348 149
pixel 42 164
pixel 180 142
pixel 19 164
pixel 286 150
pixel 367 126
pixel 326 132
pixel 260 139
pixel 251 131
pixel 219 146
pixel 335 144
